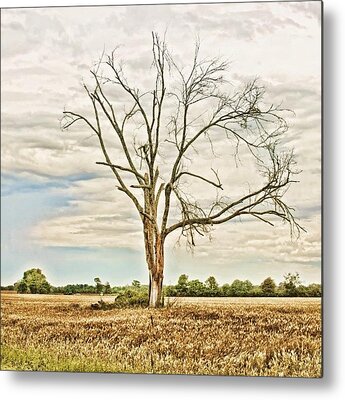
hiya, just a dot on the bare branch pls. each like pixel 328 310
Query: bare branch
pixel 71 117
pixel 216 184
pixel 121 168
pixel 141 186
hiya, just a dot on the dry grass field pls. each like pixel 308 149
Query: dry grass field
pixel 257 337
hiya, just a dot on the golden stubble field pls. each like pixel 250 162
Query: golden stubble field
pixel 251 336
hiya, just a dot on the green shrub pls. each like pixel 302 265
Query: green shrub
pixel 127 299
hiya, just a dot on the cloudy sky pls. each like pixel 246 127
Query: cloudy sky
pixel 62 212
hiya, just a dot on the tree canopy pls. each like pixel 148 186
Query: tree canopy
pixel 33 281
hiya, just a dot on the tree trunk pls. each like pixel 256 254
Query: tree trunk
pixel 154 247
pixel 155 295
pixel 156 273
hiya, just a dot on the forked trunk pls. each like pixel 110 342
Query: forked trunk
pixel 154 247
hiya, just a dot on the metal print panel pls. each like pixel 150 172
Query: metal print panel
pixel 161 189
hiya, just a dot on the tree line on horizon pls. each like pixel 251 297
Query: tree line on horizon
pixel 291 286
pixel 34 281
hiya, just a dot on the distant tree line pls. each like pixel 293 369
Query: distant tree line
pixel 34 281
pixel 290 287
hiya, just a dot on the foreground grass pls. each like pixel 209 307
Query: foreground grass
pixel 243 338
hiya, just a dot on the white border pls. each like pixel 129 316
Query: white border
pixel 36 386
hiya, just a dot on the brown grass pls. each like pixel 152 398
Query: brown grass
pixel 259 337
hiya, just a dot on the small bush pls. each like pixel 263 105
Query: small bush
pixel 126 299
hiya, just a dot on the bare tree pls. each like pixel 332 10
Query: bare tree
pixel 242 116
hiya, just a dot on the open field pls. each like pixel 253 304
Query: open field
pixel 232 336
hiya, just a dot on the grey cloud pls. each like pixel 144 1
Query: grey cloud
pixel 30 120
pixel 311 9
pixel 243 25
